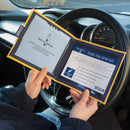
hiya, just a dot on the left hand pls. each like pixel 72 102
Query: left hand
pixel 35 81
pixel 85 106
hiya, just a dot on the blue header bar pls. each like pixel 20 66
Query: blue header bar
pixel 96 55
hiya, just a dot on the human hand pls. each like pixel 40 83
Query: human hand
pixel 34 82
pixel 85 106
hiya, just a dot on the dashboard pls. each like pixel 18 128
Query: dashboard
pixel 86 28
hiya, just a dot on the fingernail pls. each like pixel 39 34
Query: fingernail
pixel 87 91
pixel 45 69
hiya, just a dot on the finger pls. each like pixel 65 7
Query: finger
pixel 48 80
pixel 75 99
pixel 85 96
pixel 46 83
pixel 75 93
pixel 94 104
pixel 42 75
pixel 32 75
pixel 43 86
pixel 92 101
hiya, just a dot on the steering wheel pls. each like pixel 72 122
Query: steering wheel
pixel 57 97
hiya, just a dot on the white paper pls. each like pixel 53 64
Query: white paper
pixel 42 44
pixel 88 71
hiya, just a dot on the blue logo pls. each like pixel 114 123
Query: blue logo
pixel 69 72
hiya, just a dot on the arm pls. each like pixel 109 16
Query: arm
pixel 18 97
pixel 83 109
pixel 25 95
pixel 75 124
pixel 85 106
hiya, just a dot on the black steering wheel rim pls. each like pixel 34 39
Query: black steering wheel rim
pixel 66 19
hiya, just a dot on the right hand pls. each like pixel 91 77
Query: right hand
pixel 85 106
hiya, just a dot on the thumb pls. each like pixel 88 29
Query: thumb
pixel 85 96
pixel 42 75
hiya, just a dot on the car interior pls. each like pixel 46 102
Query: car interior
pixel 101 26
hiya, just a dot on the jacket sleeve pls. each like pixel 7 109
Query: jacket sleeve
pixel 74 124
pixel 18 97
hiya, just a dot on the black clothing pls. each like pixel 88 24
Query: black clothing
pixel 16 113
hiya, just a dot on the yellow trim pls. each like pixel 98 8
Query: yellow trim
pixel 114 79
pixel 12 47
pixel 28 18
pixel 54 23
pixel 33 10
